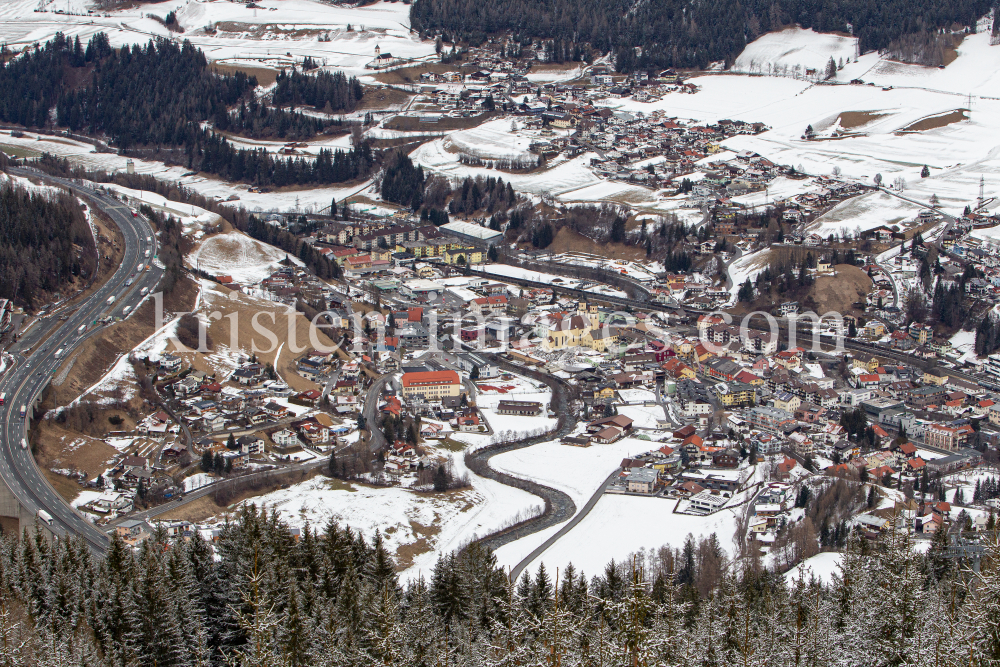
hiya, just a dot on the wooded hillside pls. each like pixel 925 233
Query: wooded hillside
pixel 682 33
pixel 156 97
pixel 45 242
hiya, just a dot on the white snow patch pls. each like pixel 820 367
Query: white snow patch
pixel 235 254
pixel 822 566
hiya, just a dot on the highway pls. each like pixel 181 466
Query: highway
pixel 36 360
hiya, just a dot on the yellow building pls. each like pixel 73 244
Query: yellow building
pixel 866 362
pixel 930 378
pixel 599 339
pixel 787 401
pixel 463 256
pixel 558 333
pixel 432 385
pixel 874 329
pixel 735 394
pixel 684 349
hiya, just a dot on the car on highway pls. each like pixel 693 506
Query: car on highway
pixel 24 443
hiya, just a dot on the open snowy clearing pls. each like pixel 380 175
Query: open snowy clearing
pixel 83 154
pixel 748 266
pixel 822 566
pixel 276 35
pixel 492 140
pixel 794 48
pixel 576 471
pixel 866 212
pixel 539 277
pixel 622 525
pixel 425 524
pixel 237 255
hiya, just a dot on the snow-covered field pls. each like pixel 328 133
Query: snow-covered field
pixel 236 254
pixel 794 49
pixel 621 525
pixel 275 35
pixel 747 266
pixel 83 154
pixel 822 566
pixel 643 416
pixel 863 213
pixel 636 270
pixel 439 524
pixel 198 480
pixel 577 471
pixel 964 342
pixel 553 75
pixel 492 140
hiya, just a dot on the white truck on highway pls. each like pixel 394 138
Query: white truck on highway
pixel 45 516
pixel 24 443
pixel 59 352
pixel 111 299
pixel 83 327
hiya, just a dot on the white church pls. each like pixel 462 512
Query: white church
pixel 383 60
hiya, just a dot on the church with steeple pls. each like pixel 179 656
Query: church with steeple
pixel 383 60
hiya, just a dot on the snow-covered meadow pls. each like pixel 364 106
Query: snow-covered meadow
pixel 237 255
pixel 421 525
pixel 793 48
pixel 275 34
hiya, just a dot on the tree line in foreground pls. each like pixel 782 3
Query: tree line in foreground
pixel 330 597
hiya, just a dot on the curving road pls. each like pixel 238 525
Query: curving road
pixel 51 339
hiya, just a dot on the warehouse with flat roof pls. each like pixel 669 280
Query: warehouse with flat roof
pixel 474 233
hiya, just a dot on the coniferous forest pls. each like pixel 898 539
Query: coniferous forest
pixel 44 243
pixel 324 91
pixel 265 598
pixel 158 96
pixel 680 33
